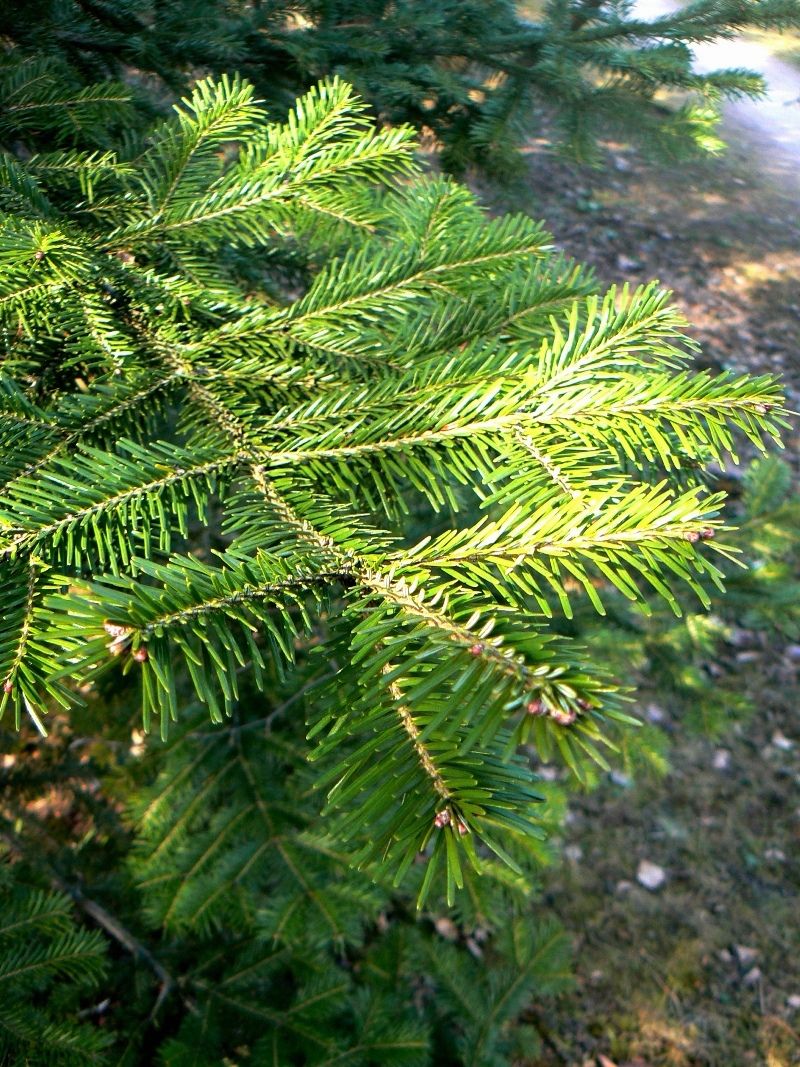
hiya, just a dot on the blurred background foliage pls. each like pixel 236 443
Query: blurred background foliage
pixel 478 78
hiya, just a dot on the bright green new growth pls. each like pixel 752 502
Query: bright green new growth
pixel 237 374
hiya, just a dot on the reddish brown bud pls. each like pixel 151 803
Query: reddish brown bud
pixel 763 409
pixel 708 533
pixel 39 255
pixel 563 718
pixel 115 629
pixel 692 535
pixel 463 828
pixel 8 686
pixel 442 819
pixel 141 655
pixel 584 705
pixel 118 647
pixel 535 707
pixel 476 650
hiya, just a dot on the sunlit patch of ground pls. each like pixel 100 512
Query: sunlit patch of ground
pixel 785 46
pixel 703 971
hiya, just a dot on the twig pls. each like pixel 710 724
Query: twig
pixel 114 928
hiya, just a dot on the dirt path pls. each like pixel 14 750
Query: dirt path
pixel 704 972
pixel 770 122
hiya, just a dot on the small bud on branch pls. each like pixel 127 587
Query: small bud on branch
pixel 563 718
pixel 535 707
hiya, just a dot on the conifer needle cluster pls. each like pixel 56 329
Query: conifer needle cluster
pixel 239 354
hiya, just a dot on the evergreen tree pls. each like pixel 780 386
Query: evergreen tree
pixel 478 75
pixel 209 919
pixel 201 476
pixel 298 439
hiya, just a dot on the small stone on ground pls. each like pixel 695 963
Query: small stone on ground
pixel 722 760
pixel 650 875
pixel 746 955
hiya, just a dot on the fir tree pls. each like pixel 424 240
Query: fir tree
pixel 476 74
pixel 298 438
pixel 205 475
pixel 213 924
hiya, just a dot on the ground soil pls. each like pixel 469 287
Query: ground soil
pixel 705 971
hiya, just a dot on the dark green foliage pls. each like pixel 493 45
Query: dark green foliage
pixel 48 965
pixel 766 595
pixel 317 961
pixel 477 74
pixel 236 926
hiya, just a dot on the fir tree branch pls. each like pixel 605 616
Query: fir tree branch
pixel 32 533
pixel 70 438
pixel 544 461
pixel 106 921
pixel 407 719
pixel 27 619
pixel 264 813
